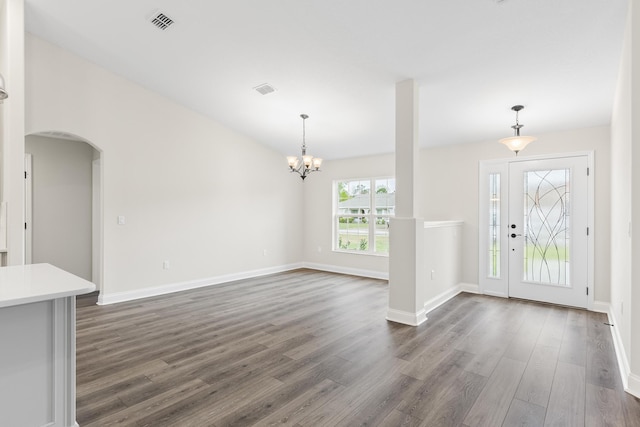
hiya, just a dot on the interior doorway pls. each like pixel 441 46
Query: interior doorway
pixel 536 232
pixel 63 204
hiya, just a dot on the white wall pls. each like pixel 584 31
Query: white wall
pixel 449 191
pixel 12 124
pixel 318 207
pixel 201 196
pixel 625 204
pixel 62 196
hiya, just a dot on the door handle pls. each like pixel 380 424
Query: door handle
pixel 514 235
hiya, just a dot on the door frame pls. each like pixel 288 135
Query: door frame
pixel 28 208
pixel 500 286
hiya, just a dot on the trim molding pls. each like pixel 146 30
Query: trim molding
pixel 633 386
pixel 495 294
pixel 601 307
pixel 471 288
pixel 384 275
pixel 630 381
pixel 440 299
pixel 192 284
pixel 407 318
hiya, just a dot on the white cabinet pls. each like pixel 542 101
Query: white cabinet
pixel 37 345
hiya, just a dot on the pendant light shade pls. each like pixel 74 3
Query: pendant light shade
pixel 517 142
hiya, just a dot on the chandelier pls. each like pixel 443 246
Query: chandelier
pixel 308 163
pixel 517 143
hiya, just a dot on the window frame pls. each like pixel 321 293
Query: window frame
pixel 372 215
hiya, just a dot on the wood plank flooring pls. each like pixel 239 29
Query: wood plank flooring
pixel 309 348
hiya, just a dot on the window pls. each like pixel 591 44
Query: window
pixel 361 217
pixel 494 225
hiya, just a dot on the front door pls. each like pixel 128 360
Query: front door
pixel 540 250
pixel 548 241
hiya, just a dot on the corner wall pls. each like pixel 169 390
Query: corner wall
pixel 449 191
pixel 318 205
pixel 184 184
pixel 625 207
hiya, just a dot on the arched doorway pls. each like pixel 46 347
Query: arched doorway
pixel 63 203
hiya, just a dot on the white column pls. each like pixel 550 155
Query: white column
pixel 406 239
pixel 13 126
pixel 634 307
pixel 407 104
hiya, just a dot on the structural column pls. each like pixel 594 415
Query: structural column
pixel 12 116
pixel 633 308
pixel 406 244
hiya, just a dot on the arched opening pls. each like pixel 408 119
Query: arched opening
pixel 63 204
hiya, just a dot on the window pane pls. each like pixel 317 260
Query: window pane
pixel 494 225
pixel 382 235
pixel 385 200
pixel 354 197
pixel 353 234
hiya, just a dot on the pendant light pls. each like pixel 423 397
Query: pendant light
pixel 307 164
pixel 517 142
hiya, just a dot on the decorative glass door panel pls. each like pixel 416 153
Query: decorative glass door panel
pixel 546 222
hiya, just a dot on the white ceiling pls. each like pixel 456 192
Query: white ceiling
pixel 339 60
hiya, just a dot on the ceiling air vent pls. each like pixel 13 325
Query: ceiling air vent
pixel 160 20
pixel 265 89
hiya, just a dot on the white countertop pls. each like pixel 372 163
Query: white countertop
pixel 24 284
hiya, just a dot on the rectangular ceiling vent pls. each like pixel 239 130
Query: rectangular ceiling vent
pixel 265 89
pixel 161 20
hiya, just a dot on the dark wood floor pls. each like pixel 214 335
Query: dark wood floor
pixel 308 348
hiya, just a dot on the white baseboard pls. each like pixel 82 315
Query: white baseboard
pixel 471 288
pixel 633 385
pixel 192 284
pixel 495 294
pixel 440 299
pixel 630 381
pixel 347 270
pixel 407 318
pixel 601 307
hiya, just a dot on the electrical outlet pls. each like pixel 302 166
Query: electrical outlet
pixel 264 252
pixel 121 220
pixel 166 265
